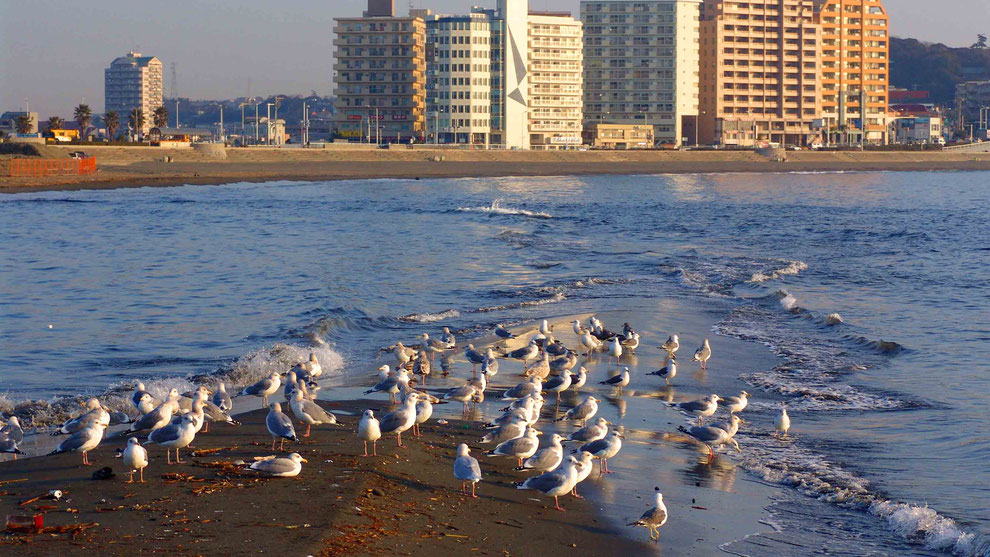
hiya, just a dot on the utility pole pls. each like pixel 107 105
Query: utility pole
pixel 176 112
pixel 256 105
pixel 221 124
pixel 378 128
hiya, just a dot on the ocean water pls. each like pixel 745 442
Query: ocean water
pixel 871 291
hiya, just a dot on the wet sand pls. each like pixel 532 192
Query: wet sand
pixel 142 167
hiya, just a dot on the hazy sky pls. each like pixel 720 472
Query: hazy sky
pixel 53 52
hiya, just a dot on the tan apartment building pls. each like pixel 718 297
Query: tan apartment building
pixel 760 73
pixel 855 68
pixel 380 75
pixel 133 81
pixel 641 64
pixel 555 76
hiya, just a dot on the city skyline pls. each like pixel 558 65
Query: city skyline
pixel 227 54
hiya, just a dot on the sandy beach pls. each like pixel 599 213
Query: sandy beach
pixel 142 166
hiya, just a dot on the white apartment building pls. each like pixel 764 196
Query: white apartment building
pixel 133 81
pixel 555 75
pixel 458 78
pixel 641 64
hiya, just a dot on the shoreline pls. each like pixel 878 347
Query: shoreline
pixel 140 167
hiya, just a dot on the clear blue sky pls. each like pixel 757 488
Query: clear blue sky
pixel 53 52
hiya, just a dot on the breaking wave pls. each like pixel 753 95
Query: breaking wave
pixel 430 317
pixel 792 268
pixel 496 208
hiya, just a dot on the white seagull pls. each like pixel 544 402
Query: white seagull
pixel 466 469
pixel 369 430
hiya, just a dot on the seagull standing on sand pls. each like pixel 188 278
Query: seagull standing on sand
pixel 462 394
pixel 700 408
pixel 282 467
pixel 584 467
pixel 516 427
pixel 618 380
pixel 737 404
pixel 589 433
pixel 554 484
pixel 143 406
pixel 525 354
pixel 490 366
pixel 160 416
pixel 369 430
pixel 279 426
pixel 9 445
pixel 424 410
pixel 668 371
pixel 582 412
pixel 503 334
pixel 264 388
pixel 422 366
pixel 432 346
pixel 672 345
pixel 524 389
pixel 604 449
pixel 95 413
pixel 175 436
pixel 653 518
pixel 83 441
pixel 703 354
pixel 631 341
pixel 558 384
pixel 590 342
pixel 391 384
pixel 474 357
pixel 222 399
pixel 782 422
pixel 135 458
pixel 466 469
pixel 12 430
pixel 615 350
pixel 448 339
pixel 309 412
pixel 711 437
pixel 401 419
pixel 579 379
pixel 519 448
pixel 576 326
pixel 547 458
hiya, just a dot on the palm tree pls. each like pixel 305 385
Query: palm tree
pixel 23 123
pixel 135 121
pixel 55 123
pixel 111 121
pixel 160 117
pixel 83 115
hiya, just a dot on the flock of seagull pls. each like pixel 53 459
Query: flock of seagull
pixel 548 368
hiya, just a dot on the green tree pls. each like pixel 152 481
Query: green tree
pixel 135 121
pixel 111 121
pixel 23 123
pixel 55 123
pixel 83 116
pixel 160 117
pixel 981 41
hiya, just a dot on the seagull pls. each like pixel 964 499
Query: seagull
pixel 135 458
pixel 590 342
pixel 703 354
pixel 279 426
pixel 264 388
pixel 555 348
pixel 402 354
pixel 9 445
pixel 730 425
pixel 309 412
pixel 432 346
pixel 503 334
pixel 782 422
pixel 212 412
pixel 615 350
pixel 222 399
pixel 401 419
pixel 541 369
pixel 462 394
pixel 424 409
pixel 490 366
pixel 291 385
pixel 519 448
pixel 737 403
pixel 630 341
pixel 160 416
pixel 525 354
pixel 668 372
pixel 474 357
pixel 95 413
pixel 584 467
pixel 516 427
pixel 604 449
pixel 177 436
pixel 547 458
pixel 83 441
pixel 582 412
pixel 286 467
pixel 369 430
pixel 137 399
pixel 448 339
pixel 576 326
pixel 701 408
pixel 524 389
pixel 422 366
pixel 590 433
pixel 564 363
pixel 556 483
pixel 466 469
pixel 390 384
pixel 313 367
pixel 528 411
pixel 618 380
pixel 558 384
pixel 579 379
pixel 710 437
pixel 653 518
pixel 672 345
pixel 12 430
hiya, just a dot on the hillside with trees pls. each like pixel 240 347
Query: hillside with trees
pixel 936 67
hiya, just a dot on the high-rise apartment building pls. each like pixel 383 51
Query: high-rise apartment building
pixel 855 70
pixel 760 73
pixel 641 64
pixel 459 78
pixel 555 75
pixel 133 81
pixel 380 75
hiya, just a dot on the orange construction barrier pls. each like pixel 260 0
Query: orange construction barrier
pixel 51 167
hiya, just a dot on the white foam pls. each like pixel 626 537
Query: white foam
pixel 496 208
pixel 431 317
pixel 788 301
pixel 558 297
pixel 792 268
pixel 939 532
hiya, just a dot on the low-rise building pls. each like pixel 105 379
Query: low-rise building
pixel 619 136
pixel 973 105
pixel 8 121
pixel 911 124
